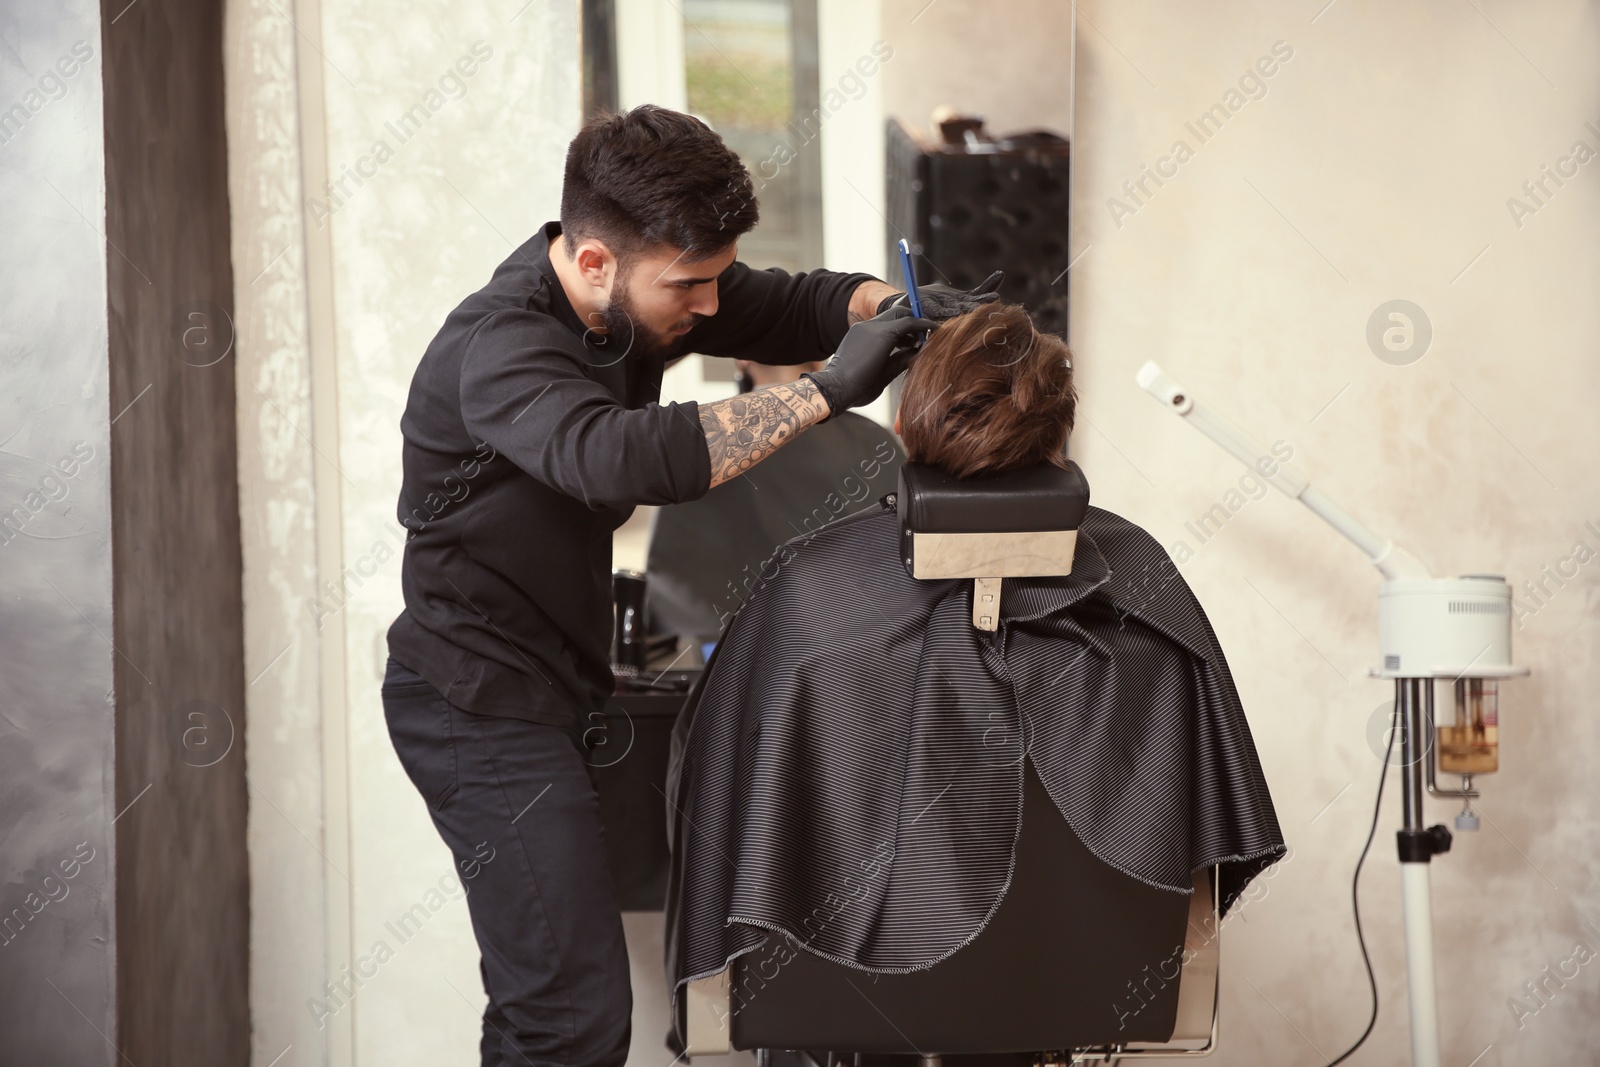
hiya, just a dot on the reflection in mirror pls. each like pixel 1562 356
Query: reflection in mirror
pixel 750 71
pixel 830 104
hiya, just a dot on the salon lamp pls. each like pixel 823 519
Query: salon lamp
pixel 1428 628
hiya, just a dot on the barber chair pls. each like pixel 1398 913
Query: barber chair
pixel 1080 961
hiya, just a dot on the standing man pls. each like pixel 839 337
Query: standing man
pixel 531 431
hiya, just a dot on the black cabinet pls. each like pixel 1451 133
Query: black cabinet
pixel 628 745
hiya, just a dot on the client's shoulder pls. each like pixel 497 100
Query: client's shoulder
pixel 1116 535
pixel 838 551
pixel 869 530
pixel 843 578
pixel 1145 582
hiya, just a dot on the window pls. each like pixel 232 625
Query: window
pixel 750 71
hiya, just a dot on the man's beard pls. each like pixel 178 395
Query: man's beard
pixel 626 334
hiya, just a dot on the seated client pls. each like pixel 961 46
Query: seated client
pixel 852 766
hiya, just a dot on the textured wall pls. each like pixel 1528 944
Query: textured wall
pixel 1015 70
pixel 57 962
pixel 277 462
pixel 458 193
pixel 418 179
pixel 1377 165
pixel 182 886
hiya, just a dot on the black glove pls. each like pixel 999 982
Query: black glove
pixel 872 354
pixel 943 302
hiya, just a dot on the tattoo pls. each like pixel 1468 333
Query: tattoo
pixel 743 430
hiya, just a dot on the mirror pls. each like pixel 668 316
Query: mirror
pixel 831 106
pixel 832 109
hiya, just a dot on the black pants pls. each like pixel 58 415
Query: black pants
pixel 515 802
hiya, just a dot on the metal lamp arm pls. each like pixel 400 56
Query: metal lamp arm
pixel 1391 560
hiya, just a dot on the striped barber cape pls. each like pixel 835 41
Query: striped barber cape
pixel 850 767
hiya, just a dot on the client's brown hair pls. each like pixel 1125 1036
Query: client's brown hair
pixel 988 393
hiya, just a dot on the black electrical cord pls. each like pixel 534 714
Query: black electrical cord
pixel 1355 890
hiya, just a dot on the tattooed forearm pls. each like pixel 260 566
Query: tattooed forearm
pixel 743 430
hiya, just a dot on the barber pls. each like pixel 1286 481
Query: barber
pixel 531 431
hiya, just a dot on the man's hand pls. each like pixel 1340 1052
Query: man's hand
pixel 872 355
pixel 942 302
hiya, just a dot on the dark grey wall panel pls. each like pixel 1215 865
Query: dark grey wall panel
pixel 182 875
pixel 56 931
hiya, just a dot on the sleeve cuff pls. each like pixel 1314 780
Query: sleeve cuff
pixel 700 456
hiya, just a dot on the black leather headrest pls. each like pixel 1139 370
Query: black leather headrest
pixel 1045 497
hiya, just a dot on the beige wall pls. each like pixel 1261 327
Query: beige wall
pixel 1376 167
pixel 1010 62
pixel 278 464
pixel 455 200
pixel 339 294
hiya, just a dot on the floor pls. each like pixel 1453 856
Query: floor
pixel 644 928
pixel 650 1016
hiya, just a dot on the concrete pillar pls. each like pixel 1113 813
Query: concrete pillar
pixel 123 886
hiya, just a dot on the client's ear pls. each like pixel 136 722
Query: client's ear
pixel 897 422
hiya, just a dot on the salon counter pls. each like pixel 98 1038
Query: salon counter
pixel 628 744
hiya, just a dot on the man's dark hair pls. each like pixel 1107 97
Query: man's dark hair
pixel 650 177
